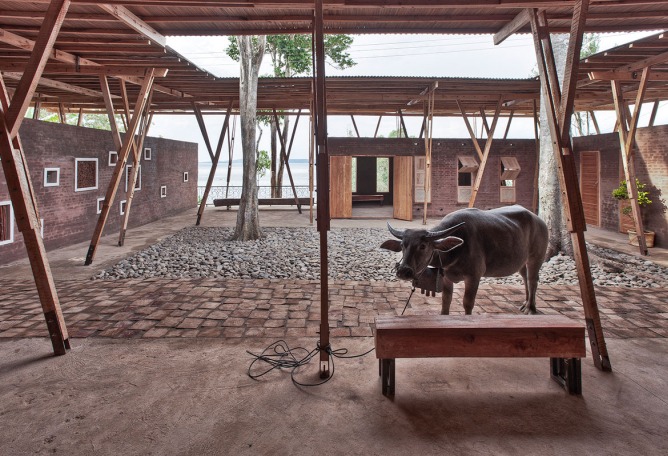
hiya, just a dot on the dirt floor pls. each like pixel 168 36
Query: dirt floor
pixel 193 397
pixel 139 383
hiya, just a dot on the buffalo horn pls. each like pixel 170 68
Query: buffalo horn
pixel 399 234
pixel 439 234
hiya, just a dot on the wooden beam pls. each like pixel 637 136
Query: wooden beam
pixel 66 57
pixel 485 155
pixel 428 137
pixel 616 75
pixel 123 154
pixel 131 20
pixel 375 133
pixel 626 140
pixel 510 119
pixel 652 117
pixel 520 21
pixel 285 155
pixel 593 119
pixel 24 204
pixel 568 174
pixel 536 137
pixel 322 157
pixel 357 132
pixel 57 85
pixel 403 124
pixel 572 60
pixel 136 164
pixel 53 20
pixel 214 165
pixel 472 134
pixel 202 129
pixel 648 62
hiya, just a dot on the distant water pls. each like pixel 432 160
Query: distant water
pixel 299 168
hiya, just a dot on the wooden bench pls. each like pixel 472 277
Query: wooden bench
pixel 490 336
pixel 223 202
pixel 360 198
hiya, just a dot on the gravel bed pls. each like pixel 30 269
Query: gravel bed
pixel 354 254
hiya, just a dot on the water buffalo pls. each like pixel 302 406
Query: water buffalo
pixel 492 243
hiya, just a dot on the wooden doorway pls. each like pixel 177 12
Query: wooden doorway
pixel 590 166
pixel 403 188
pixel 340 187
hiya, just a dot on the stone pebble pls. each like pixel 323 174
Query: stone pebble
pixel 354 254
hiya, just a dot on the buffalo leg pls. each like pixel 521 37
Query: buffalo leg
pixel 446 297
pixel 523 273
pixel 531 285
pixel 470 292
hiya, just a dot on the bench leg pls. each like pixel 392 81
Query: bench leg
pixel 568 373
pixel 387 376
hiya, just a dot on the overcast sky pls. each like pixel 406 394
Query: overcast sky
pixel 381 55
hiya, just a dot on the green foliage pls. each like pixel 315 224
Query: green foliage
pixel 621 194
pixel 291 55
pixel 382 174
pixel 591 43
pixel 263 163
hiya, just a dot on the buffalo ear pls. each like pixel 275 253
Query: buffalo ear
pixel 391 244
pixel 448 243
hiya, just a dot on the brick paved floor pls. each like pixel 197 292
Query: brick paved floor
pixel 155 308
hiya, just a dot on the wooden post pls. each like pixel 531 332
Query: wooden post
pixel 322 155
pixel 429 124
pixel 80 118
pixel 559 110
pixel 285 155
pixel 593 120
pixel 357 132
pixel 510 119
pixel 311 150
pixel 214 165
pixel 136 163
pixel 123 153
pixel 626 140
pixel 403 124
pixel 485 154
pixel 375 134
pixel 230 154
pixel 202 129
pixel 472 134
pixel 652 117
pixel 17 175
pixel 536 136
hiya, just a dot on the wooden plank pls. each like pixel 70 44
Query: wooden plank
pixel 48 32
pixel 590 186
pixel 341 194
pixel 479 336
pixel 402 181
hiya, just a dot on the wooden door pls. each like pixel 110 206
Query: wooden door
pixel 589 187
pixel 340 187
pixel 403 188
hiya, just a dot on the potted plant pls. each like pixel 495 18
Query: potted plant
pixel 621 194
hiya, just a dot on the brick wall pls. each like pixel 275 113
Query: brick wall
pixel 70 216
pixel 651 165
pixel 445 166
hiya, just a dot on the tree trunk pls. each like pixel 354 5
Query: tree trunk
pixel 550 205
pixel 250 56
